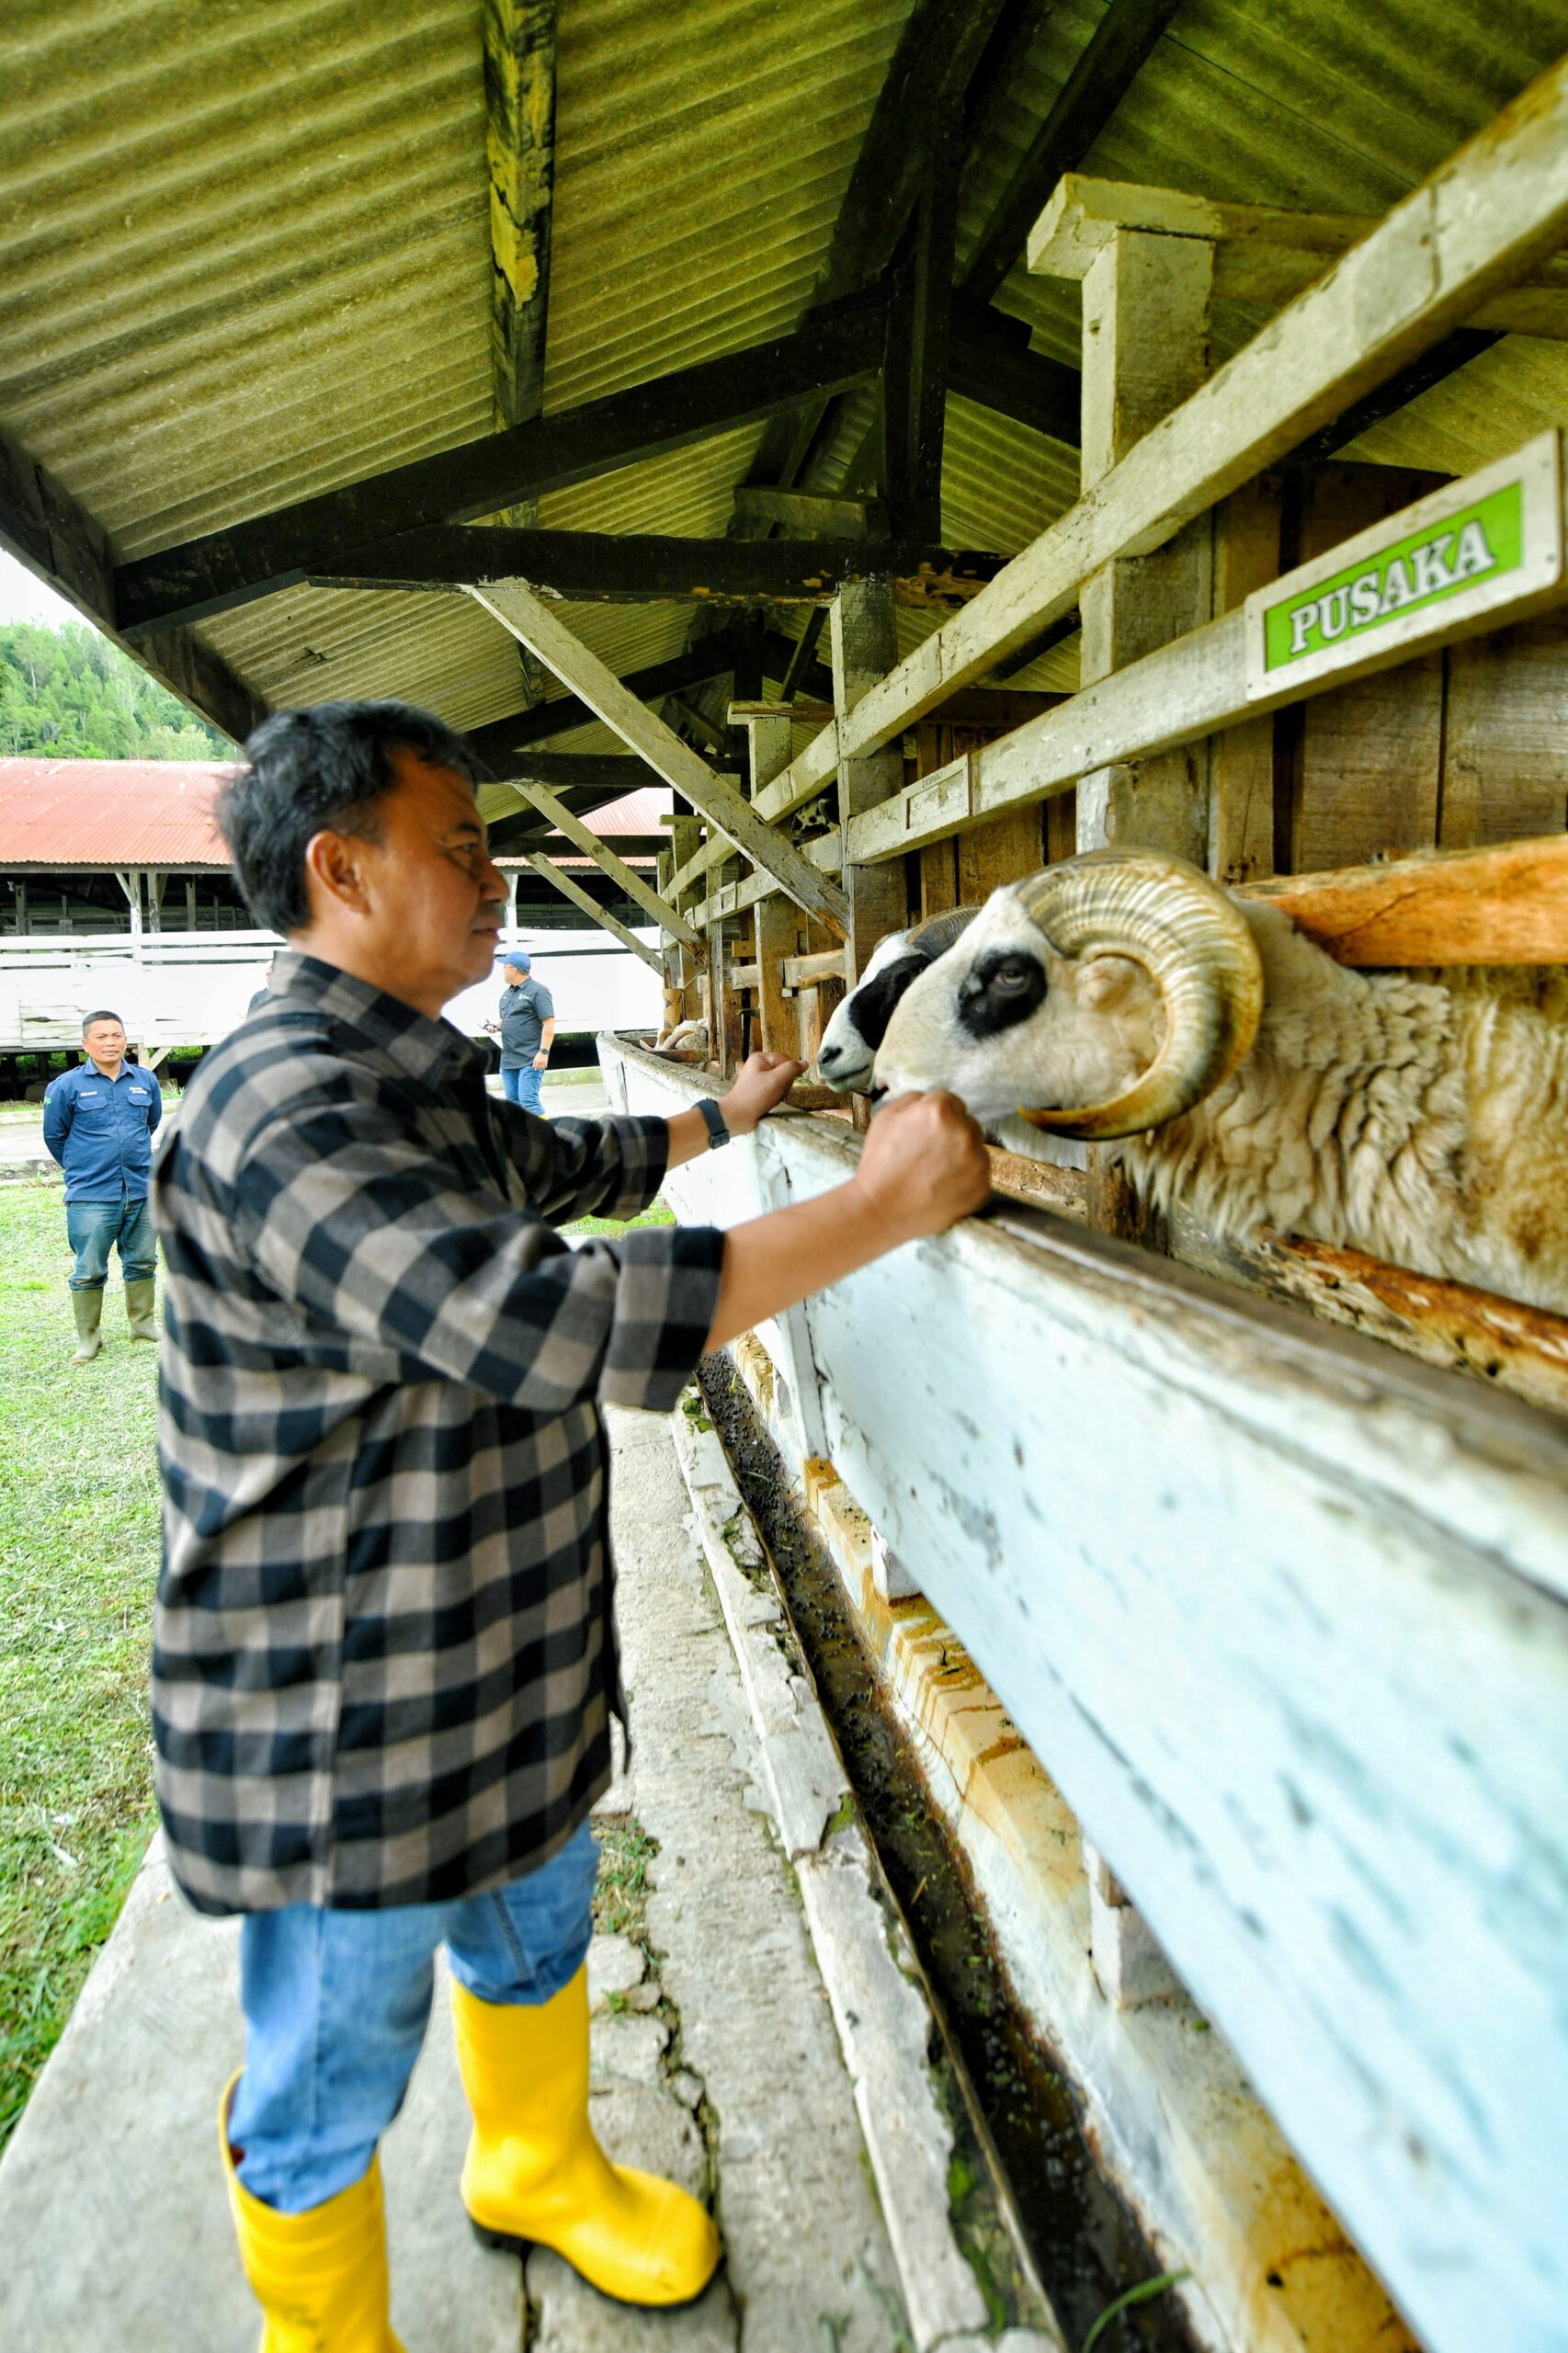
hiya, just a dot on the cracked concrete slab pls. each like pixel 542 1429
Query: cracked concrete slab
pixel 807 2253
pixel 113 2213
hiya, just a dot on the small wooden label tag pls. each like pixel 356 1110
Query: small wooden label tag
pixel 1478 546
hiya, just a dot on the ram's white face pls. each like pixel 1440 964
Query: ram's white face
pixel 1005 1023
pixel 856 1030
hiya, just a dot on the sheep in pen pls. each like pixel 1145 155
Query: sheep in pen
pixel 1121 997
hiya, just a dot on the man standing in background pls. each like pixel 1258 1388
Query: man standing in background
pixel 98 1122
pixel 527 1032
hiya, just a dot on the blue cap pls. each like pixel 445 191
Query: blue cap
pixel 517 956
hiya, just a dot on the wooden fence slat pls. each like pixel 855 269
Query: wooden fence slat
pixel 1482 221
pixel 1196 685
pixel 1506 905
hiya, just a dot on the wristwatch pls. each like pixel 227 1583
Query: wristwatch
pixel 718 1132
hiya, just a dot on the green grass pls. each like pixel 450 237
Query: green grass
pixel 78 1561
pixel 621 1898
pixel 655 1214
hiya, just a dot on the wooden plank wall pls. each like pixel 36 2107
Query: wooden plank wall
pixel 1456 749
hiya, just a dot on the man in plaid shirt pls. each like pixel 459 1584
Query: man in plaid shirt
pixel 384 1663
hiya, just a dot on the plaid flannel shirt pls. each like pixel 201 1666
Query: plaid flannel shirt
pixel 384 1663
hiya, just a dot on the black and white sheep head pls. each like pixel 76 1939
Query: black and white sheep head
pixel 858 1026
pixel 1099 997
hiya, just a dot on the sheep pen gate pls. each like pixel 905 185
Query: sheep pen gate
pixel 1282 1609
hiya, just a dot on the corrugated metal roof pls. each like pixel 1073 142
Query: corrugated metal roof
pixel 111 812
pixel 159 812
pixel 275 277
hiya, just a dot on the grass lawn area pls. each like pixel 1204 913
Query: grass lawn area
pixel 78 1558
pixel 79 1545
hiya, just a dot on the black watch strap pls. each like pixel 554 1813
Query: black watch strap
pixel 718 1132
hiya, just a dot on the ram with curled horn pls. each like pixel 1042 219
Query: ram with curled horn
pixel 1124 998
pixel 858 1026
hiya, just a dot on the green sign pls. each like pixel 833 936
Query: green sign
pixel 1482 542
pixel 1490 545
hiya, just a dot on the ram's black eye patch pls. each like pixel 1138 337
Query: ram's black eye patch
pixel 875 999
pixel 1001 987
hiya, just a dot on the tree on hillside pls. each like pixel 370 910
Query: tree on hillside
pixel 68 694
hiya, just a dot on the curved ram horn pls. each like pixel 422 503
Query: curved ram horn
pixel 937 934
pixel 1191 940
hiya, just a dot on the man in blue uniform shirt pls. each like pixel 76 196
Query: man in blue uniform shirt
pixel 98 1122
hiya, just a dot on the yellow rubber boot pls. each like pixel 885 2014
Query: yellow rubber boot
pixel 535 2175
pixel 320 2276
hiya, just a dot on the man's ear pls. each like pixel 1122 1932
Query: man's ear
pixel 334 871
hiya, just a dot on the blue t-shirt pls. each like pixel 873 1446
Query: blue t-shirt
pixel 100 1131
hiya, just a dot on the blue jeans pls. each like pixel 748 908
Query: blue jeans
pixel 522 1087
pixel 92 1228
pixel 337 2004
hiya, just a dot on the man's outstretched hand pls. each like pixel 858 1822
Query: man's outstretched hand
pixel 761 1083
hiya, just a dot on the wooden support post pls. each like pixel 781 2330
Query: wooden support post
pixel 590 907
pixel 129 880
pixel 155 881
pixel 865 647
pixel 723 1003
pixel 685 839
pixel 1240 759
pixel 191 902
pixel 1146 301
pixel 777 921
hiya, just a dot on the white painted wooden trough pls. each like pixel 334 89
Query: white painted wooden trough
pixel 1286 1617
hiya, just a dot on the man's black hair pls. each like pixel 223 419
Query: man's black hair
pixel 324 768
pixel 103 1014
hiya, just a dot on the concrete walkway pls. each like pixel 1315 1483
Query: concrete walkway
pixel 714 2045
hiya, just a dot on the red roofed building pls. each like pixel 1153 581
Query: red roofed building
pixel 108 866
pixel 82 842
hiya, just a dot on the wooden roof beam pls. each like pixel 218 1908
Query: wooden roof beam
pixel 1262 253
pixel 46 529
pixel 714 797
pixel 248 560
pixel 1095 87
pixel 502 739
pixel 600 776
pixel 519 103
pixel 941 45
pixel 573 889
pixel 923 92
pixel 915 369
pixel 805 515
pixel 562 818
pixel 1486 217
pixel 990 362
pixel 604 568
pixel 518 39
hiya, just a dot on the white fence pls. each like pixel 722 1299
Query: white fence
pixel 1286 1620
pixel 192 988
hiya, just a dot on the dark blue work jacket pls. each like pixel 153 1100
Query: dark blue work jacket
pixel 101 1133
